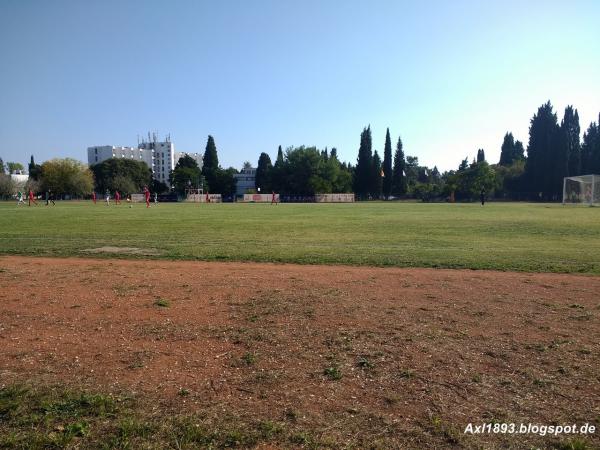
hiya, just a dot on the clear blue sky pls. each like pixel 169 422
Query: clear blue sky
pixel 448 76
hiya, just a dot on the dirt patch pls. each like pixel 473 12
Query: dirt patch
pixel 395 357
pixel 124 251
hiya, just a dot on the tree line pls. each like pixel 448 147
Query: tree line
pixel 554 151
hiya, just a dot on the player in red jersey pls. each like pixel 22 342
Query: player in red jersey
pixel 31 198
pixel 273 199
pixel 117 198
pixel 147 195
pixel 94 197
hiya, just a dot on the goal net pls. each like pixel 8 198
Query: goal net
pixel 584 189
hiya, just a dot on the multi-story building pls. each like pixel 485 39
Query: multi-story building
pixel 160 157
pixel 245 181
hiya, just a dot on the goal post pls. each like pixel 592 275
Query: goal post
pixel 582 189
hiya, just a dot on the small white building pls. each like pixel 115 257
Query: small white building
pixel 245 180
pixel 19 177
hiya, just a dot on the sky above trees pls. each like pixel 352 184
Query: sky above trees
pixel 448 77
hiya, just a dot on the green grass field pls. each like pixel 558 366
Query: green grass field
pixel 502 236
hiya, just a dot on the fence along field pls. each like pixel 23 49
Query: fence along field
pixel 500 236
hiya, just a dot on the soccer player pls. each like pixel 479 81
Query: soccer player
pixel 94 197
pixel 31 198
pixel 117 198
pixel 147 195
pixel 273 199
pixel 482 196
pixel 107 195
pixel 20 200
pixel 207 198
pixel 49 198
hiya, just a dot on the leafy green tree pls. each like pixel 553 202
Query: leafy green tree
pixel 225 182
pixel 364 165
pixel 110 175
pixel 264 173
pixel 387 166
pixel 399 175
pixel 7 186
pixel 159 187
pixel 14 167
pixel 412 170
pixel 35 170
pixel 510 179
pixel 67 177
pixel 186 174
pixel 124 185
pixel 210 163
pixel 2 170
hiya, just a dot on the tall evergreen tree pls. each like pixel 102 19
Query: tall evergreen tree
pixel 543 155
pixel 264 173
pixel 480 155
pixel 364 165
pixel 278 172
pixel 519 151
pixel 387 166
pixel 333 153
pixel 35 170
pixel 511 150
pixel 399 176
pixel 210 163
pixel 507 150
pixel 590 150
pixel 279 159
pixel 2 167
pixel 376 181
pixel 570 142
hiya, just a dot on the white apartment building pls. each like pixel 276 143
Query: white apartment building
pixel 160 157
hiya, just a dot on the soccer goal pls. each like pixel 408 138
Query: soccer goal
pixel 584 189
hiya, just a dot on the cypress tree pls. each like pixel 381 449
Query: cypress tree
pixel 376 180
pixel 511 150
pixel 263 173
pixel 590 150
pixel 2 166
pixel 278 173
pixel 480 156
pixel 543 155
pixel 333 153
pixel 35 170
pixel 279 160
pixel 387 166
pixel 571 148
pixel 399 176
pixel 364 165
pixel 519 151
pixel 507 150
pixel 210 163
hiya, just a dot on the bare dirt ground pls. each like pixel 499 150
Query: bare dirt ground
pixel 359 356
